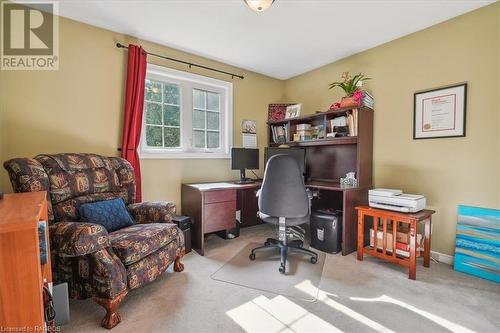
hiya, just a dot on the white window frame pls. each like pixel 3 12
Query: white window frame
pixel 187 82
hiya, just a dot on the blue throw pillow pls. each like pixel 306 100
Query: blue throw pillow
pixel 111 214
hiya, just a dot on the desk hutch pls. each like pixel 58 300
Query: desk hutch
pixel 213 206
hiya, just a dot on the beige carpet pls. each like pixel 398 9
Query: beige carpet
pixel 262 273
pixel 368 296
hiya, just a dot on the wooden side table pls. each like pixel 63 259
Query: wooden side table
pixel 412 219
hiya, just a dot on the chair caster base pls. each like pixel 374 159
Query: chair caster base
pixel 284 248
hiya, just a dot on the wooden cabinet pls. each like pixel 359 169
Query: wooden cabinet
pixel 21 274
pixel 212 207
pixel 219 216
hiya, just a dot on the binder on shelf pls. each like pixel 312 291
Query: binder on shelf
pixel 280 133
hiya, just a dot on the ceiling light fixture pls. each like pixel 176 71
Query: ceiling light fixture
pixel 259 5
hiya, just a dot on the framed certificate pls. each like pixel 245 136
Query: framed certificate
pixel 440 113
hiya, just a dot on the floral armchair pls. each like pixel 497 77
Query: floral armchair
pixel 92 261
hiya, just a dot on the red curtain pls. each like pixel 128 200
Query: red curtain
pixel 134 104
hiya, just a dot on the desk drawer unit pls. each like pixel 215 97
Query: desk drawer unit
pixel 219 210
pixel 220 196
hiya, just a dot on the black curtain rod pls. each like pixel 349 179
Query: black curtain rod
pixel 190 64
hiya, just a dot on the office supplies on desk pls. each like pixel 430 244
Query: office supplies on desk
pixel 349 179
pixel 396 200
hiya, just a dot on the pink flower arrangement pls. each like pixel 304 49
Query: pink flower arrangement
pixel 358 95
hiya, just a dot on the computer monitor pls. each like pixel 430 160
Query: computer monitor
pixel 244 158
pixel 299 154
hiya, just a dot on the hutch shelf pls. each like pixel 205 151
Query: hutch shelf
pixel 329 159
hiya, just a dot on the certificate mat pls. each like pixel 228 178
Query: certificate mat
pixel 440 112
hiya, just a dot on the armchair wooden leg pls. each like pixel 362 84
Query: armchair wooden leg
pixel 178 266
pixel 112 317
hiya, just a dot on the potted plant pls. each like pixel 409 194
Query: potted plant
pixel 351 87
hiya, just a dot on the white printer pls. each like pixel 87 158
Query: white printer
pixel 395 200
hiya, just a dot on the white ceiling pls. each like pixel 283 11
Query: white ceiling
pixel 292 37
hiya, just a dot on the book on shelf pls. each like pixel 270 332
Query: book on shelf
pixel 338 121
pixel 280 133
pixel 352 122
pixel 368 99
pixel 349 121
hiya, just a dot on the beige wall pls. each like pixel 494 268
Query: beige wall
pixel 79 108
pixel 498 93
pixel 447 171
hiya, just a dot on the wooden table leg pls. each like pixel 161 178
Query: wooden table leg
pixel 413 251
pixel 361 232
pixel 427 242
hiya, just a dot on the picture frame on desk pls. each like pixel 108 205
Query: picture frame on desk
pixel 440 113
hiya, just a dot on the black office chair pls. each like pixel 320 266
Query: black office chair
pixel 284 201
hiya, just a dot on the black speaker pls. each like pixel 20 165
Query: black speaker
pixel 183 222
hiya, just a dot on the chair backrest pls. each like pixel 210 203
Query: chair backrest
pixel 72 179
pixel 283 193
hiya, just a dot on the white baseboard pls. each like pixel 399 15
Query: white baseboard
pixel 441 257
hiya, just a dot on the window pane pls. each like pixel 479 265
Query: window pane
pixel 153 91
pixel 172 137
pixel 153 136
pixel 199 139
pixel 198 119
pixel 199 99
pixel 171 115
pixel 213 120
pixel 213 101
pixel 171 94
pixel 153 113
pixel 212 139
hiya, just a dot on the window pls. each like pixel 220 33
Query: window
pixel 185 115
pixel 162 111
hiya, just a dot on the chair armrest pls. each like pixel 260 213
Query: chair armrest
pixel 74 239
pixel 152 212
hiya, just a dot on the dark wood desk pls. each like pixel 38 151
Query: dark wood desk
pixel 213 206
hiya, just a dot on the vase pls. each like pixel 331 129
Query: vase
pixel 348 101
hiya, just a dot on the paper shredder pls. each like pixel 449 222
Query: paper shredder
pixel 326 230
